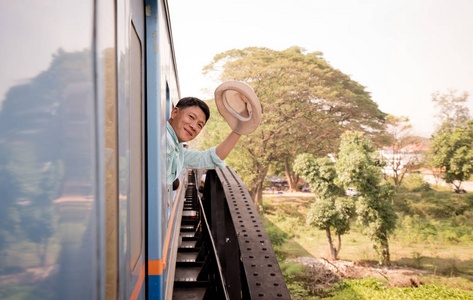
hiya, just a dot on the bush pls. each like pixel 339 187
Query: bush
pixel 292 269
pixel 434 204
pixel 294 275
pixel 277 236
pixel 370 288
pixel 424 187
pixel 403 202
pixel 451 231
pixel 414 183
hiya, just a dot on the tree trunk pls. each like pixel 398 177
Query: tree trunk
pixel 403 173
pixel 292 177
pixel 256 192
pixel 396 168
pixel 337 251
pixel 333 252
pixel 258 197
pixel 384 251
pixel 253 195
pixel 455 185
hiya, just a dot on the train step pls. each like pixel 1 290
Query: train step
pixel 188 244
pixel 189 293
pixel 188 234
pixel 188 226
pixel 189 213
pixel 187 257
pixel 186 274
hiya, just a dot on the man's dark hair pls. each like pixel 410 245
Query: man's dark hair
pixel 193 101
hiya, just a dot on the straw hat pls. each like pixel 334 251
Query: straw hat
pixel 239 106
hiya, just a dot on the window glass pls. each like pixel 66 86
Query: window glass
pixel 136 149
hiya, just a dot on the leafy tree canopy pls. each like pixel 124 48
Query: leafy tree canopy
pixel 452 111
pixel 306 105
pixel 320 173
pixel 453 152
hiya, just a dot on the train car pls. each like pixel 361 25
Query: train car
pixel 86 87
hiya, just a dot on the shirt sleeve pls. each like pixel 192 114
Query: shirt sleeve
pixel 170 161
pixel 208 159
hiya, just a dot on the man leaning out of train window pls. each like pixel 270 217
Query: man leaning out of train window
pixel 238 105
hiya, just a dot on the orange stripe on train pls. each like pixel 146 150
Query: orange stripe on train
pixel 139 284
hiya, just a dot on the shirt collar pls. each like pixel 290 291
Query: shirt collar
pixel 172 133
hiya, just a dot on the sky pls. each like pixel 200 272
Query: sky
pixel 402 51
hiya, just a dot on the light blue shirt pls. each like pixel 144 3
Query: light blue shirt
pixel 179 158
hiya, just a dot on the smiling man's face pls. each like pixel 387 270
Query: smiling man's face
pixel 187 122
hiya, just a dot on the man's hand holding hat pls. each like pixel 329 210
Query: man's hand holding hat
pixel 239 106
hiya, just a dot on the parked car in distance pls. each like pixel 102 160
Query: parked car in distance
pixel 460 191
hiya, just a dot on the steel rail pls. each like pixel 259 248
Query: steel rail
pixel 214 252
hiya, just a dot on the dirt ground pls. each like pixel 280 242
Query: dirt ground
pixel 330 272
pixel 466 185
pixel 289 195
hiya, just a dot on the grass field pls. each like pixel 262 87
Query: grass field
pixel 439 246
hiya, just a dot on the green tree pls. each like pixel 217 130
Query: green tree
pixel 452 111
pixel 330 210
pixel 357 166
pixel 453 153
pixel 452 114
pixel 306 105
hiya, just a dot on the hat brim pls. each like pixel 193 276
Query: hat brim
pixel 241 120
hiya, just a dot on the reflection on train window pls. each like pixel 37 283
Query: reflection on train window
pixel 111 175
pixel 168 102
pixel 136 149
pixel 169 107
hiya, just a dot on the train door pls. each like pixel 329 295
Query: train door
pixel 132 160
pixel 137 176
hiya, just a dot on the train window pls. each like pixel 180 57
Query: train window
pixel 168 102
pixel 136 147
